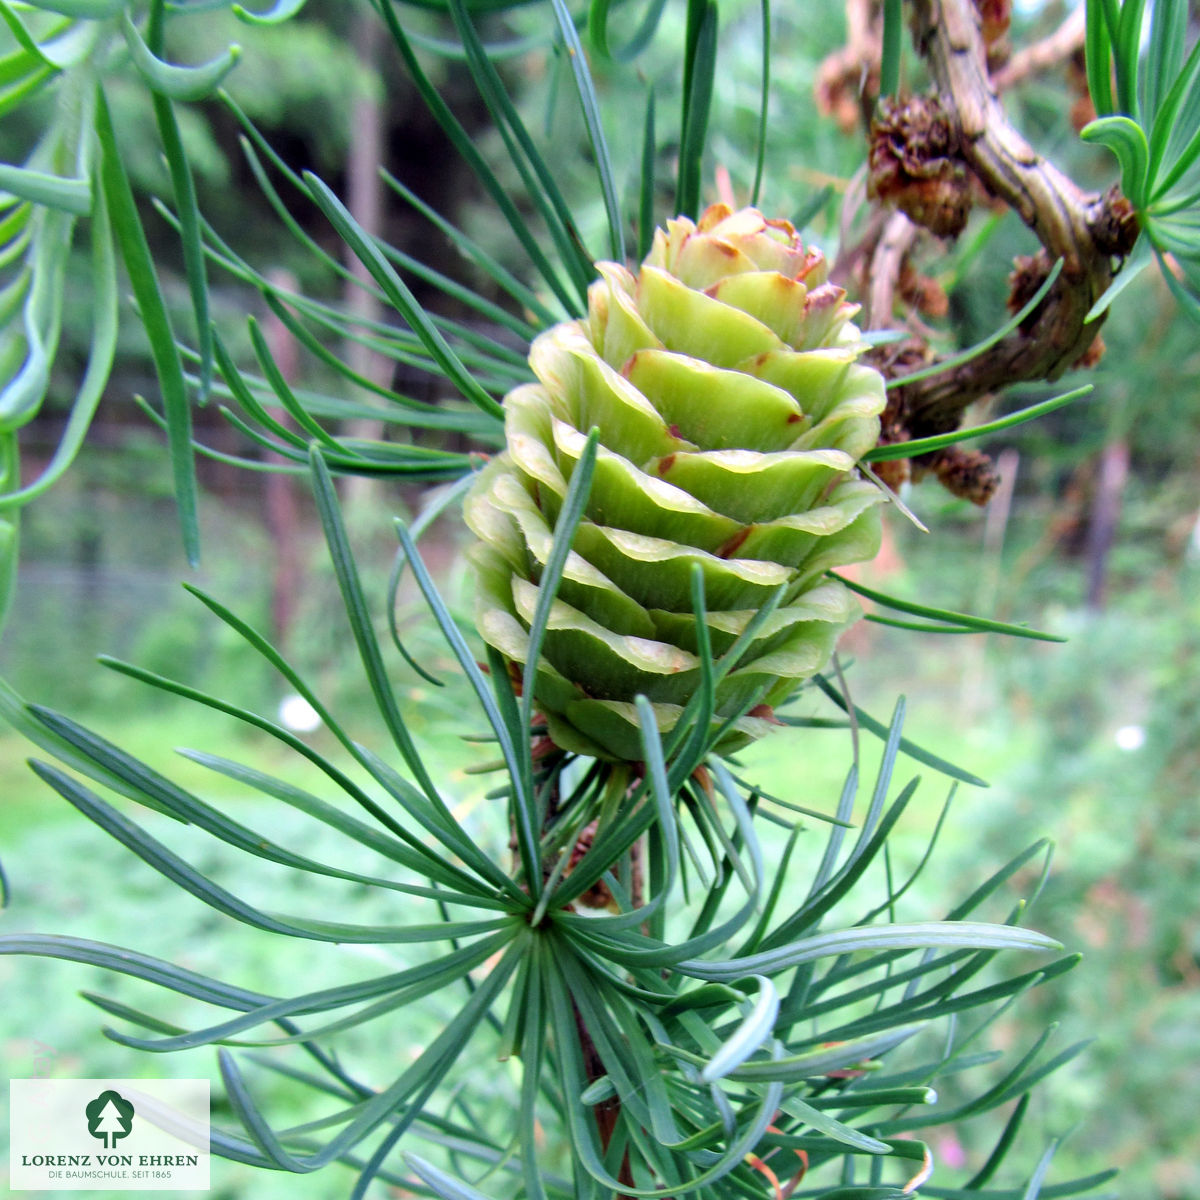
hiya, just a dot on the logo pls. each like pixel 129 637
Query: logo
pixel 109 1117
pixel 108 1135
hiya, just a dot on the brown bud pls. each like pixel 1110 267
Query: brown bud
pixel 921 292
pixel 995 16
pixel 1114 223
pixel 915 163
pixel 1028 274
pixel 966 473
pixel 844 89
pixel 894 472
pixel 599 895
pixel 1092 355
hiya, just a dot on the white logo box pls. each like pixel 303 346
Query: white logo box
pixel 120 1135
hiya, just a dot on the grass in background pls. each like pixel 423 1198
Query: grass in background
pixel 1050 727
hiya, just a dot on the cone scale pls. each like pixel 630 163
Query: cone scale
pixel 731 411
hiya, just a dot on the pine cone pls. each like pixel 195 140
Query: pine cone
pixel 731 413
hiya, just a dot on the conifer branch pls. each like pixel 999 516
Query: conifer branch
pixel 1089 233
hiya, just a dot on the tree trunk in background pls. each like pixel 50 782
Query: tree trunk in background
pixel 1106 512
pixel 987 594
pixel 364 198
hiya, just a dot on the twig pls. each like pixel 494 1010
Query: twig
pixel 1086 232
pixel 848 79
pixel 1032 60
pixel 887 261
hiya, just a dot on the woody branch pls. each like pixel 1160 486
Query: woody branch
pixel 1089 233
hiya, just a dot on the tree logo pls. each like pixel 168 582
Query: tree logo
pixel 109 1117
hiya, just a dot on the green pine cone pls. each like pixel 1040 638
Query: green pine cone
pixel 731 413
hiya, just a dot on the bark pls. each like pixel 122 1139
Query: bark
pixel 1106 512
pixel 1065 41
pixel 1089 233
pixel 364 198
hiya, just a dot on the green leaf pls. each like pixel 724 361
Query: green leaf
pixel 893 35
pixel 920 935
pixel 1127 44
pixel 184 190
pixel 930 444
pixel 1056 1191
pixel 69 44
pixel 699 74
pixel 474 252
pixel 831 1127
pixel 1140 257
pixel 1002 1146
pixel 131 238
pixel 174 82
pixel 595 128
pixel 16 95
pixel 646 184
pixel 279 385
pixel 660 792
pixel 72 196
pixel 20 33
pixel 565 527
pixel 1165 43
pixel 19 65
pixel 434 863
pixel 100 360
pixel 1189 302
pixel 442 1185
pixel 395 990
pixel 582 1124
pixel 539 178
pixel 1097 55
pixel 1127 141
pixel 965 356
pixel 913 751
pixel 9 538
pixel 1167 81
pixel 1018 1081
pixel 705 697
pixel 627 1055
pixel 598 12
pixel 466 147
pixel 980 624
pixel 399 295
pixel 533 1052
pixel 505 732
pixel 420 1077
pixel 435 506
pixel 1162 203
pixel 425 862
pixel 764 98
pixel 868 846
pixel 134 964
pixel 452 289
pixel 190 880
pixel 28 352
pixel 756 1027
pixel 112 766
pixel 866 1193
pixel 281 10
pixel 877 1098
pixel 91 10
pixel 14 710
